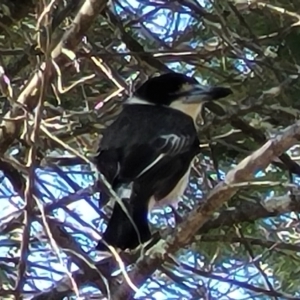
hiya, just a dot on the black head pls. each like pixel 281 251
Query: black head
pixel 170 87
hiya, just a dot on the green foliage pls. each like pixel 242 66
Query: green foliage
pixel 251 46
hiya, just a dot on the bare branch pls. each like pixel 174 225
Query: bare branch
pixel 186 231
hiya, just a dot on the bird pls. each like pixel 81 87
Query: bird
pixel 147 152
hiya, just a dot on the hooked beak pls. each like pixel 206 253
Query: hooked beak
pixel 199 93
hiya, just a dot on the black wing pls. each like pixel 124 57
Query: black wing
pixel 153 148
pixel 140 137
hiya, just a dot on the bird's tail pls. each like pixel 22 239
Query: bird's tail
pixel 120 232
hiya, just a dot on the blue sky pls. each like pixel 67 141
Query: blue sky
pixel 52 187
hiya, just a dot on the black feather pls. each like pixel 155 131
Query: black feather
pixel 122 159
pixel 150 147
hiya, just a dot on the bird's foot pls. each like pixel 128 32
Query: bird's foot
pixel 157 251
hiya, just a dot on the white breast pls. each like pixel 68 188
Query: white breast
pixel 174 196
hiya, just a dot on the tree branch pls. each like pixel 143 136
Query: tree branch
pixel 10 129
pixel 186 231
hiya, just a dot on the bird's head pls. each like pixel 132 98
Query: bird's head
pixel 177 91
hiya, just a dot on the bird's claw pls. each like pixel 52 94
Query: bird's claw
pixel 157 251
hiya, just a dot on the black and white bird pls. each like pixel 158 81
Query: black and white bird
pixel 150 148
